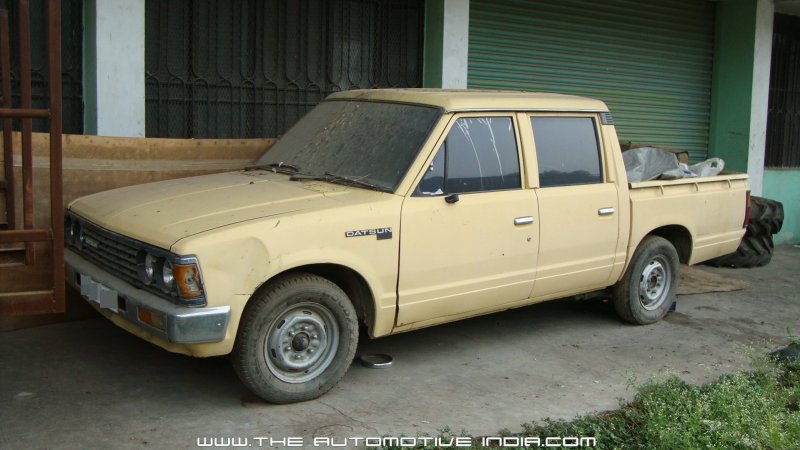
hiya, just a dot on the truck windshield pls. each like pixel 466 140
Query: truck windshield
pixel 370 143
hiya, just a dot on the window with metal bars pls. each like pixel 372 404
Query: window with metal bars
pixel 71 60
pixel 228 69
pixel 783 121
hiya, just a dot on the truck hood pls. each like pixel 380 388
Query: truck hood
pixel 165 212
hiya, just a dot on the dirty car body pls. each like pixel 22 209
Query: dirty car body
pixel 400 209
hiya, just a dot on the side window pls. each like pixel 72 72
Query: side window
pixel 567 151
pixel 479 154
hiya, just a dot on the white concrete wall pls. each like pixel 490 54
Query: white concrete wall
pixel 765 11
pixel 455 45
pixel 116 102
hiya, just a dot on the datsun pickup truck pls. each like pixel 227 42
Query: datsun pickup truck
pixel 395 209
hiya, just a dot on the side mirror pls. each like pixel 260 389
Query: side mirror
pixel 452 198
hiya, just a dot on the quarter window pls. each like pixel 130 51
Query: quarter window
pixel 479 154
pixel 567 151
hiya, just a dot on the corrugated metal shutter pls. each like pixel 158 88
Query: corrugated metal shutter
pixel 649 61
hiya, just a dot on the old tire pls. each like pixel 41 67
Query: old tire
pixel 766 217
pixel 648 288
pixel 773 215
pixel 753 251
pixel 756 248
pixel 296 339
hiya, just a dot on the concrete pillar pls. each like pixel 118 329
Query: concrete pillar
pixel 446 44
pixel 113 67
pixel 740 86
pixel 762 59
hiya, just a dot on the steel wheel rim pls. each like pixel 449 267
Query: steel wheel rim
pixel 654 283
pixel 301 343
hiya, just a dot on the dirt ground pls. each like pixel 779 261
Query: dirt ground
pixel 89 384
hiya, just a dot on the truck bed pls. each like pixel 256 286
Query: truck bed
pixel 710 209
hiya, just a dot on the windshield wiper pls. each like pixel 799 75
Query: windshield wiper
pixel 342 179
pixel 276 167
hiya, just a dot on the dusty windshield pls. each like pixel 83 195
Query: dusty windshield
pixel 372 143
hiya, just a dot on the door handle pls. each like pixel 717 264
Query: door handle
pixel 523 220
pixel 605 211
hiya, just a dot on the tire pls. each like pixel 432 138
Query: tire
pixel 296 339
pixel 756 248
pixel 754 251
pixel 773 215
pixel 650 284
pixel 758 226
pixel 766 217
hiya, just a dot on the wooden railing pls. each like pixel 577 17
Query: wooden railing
pixel 41 280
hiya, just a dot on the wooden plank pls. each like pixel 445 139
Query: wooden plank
pixel 8 152
pixel 27 113
pixel 22 278
pixel 56 152
pixel 25 303
pixel 17 236
pixel 12 256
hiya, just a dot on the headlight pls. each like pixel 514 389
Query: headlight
pixel 68 229
pixel 167 277
pixel 150 263
pixel 73 234
pixel 78 232
pixel 147 267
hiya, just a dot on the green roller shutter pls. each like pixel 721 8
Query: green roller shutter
pixel 649 61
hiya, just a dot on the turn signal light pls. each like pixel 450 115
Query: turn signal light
pixel 187 277
pixel 151 318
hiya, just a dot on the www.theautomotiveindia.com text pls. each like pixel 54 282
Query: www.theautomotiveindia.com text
pixel 403 442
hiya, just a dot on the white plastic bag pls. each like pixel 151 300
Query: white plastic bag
pixel 708 168
pixel 648 163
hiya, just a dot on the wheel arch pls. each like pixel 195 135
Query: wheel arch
pixel 680 238
pixel 350 281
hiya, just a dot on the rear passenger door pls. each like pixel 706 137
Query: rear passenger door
pixel 578 204
pixel 468 235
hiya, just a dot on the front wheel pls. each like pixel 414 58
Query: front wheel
pixel 296 339
pixel 650 284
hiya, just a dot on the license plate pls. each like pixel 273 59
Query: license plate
pixel 105 297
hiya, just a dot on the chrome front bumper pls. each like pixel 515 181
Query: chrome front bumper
pixel 181 324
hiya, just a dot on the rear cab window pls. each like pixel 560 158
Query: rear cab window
pixel 567 150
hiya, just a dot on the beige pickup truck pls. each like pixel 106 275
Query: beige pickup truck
pixel 399 209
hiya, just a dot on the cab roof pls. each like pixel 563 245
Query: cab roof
pixel 477 100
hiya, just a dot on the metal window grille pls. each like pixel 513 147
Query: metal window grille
pixel 72 61
pixel 783 121
pixel 225 69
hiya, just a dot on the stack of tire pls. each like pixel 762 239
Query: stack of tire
pixel 766 219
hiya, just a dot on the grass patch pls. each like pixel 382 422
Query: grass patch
pixel 759 409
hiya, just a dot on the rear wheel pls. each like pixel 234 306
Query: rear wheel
pixel 296 339
pixel 649 286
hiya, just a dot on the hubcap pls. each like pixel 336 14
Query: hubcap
pixel 654 283
pixel 301 342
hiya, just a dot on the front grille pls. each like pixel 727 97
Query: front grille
pixel 109 252
pixel 120 256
